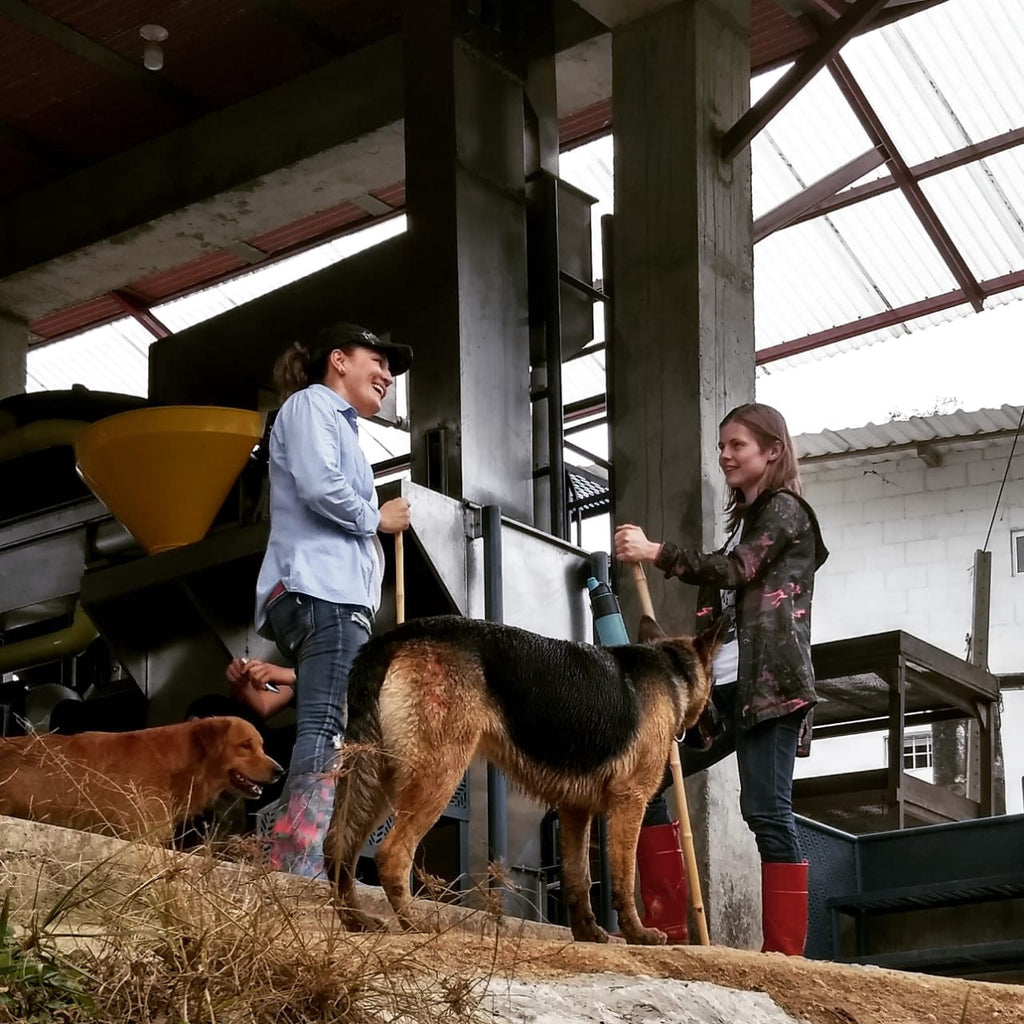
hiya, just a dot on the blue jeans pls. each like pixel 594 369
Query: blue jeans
pixel 765 756
pixel 321 639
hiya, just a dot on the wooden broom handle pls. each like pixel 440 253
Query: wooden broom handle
pixel 400 577
pixel 643 591
pixel 689 853
pixel 679 788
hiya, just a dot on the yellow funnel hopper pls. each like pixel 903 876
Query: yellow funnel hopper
pixel 164 472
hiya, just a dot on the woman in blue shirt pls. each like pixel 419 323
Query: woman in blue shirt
pixel 320 582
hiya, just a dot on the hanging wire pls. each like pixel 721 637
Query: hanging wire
pixel 969 639
pixel 1006 473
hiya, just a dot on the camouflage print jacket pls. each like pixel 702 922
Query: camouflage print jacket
pixel 771 568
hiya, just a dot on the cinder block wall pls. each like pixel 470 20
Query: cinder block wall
pixel 902 537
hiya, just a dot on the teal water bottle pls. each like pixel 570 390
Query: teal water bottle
pixel 609 629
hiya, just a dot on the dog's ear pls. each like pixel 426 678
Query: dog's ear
pixel 649 630
pixel 240 732
pixel 708 643
pixel 208 734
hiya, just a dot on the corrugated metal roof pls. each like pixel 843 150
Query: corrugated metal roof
pixel 775 34
pixel 939 80
pixel 886 439
pixel 69 102
pixel 103 307
pixel 874 256
pixel 202 35
pixel 186 275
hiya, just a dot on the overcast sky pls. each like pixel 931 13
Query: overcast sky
pixel 976 362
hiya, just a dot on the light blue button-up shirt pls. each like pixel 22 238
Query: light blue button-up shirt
pixel 323 506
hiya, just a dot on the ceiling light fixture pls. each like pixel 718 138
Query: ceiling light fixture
pixel 152 52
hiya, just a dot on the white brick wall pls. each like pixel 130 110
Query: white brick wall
pixel 903 538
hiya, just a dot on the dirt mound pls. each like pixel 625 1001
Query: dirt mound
pixel 815 991
pixel 151 934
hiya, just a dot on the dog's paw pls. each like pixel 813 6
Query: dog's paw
pixel 353 920
pixel 590 932
pixel 646 937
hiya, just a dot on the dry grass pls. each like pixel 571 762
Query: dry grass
pixel 145 935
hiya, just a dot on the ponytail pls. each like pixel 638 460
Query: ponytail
pixel 297 367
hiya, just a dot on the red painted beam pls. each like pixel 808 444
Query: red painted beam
pixel 909 185
pixel 810 62
pixel 927 169
pixel 138 309
pixel 887 318
pixel 795 208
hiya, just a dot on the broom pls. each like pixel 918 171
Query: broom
pixel 682 812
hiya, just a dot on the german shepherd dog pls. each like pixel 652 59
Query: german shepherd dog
pixel 584 729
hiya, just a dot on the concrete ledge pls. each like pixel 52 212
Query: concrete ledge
pixel 85 880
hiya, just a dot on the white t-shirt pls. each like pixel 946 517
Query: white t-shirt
pixel 725 667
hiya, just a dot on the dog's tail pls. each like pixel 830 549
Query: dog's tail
pixel 360 804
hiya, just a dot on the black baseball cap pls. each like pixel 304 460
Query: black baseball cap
pixel 327 339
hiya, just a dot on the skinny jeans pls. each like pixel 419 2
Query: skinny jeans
pixel 766 757
pixel 321 639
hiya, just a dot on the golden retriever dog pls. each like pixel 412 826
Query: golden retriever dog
pixel 584 729
pixel 132 784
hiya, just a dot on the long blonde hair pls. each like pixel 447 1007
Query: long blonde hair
pixel 768 426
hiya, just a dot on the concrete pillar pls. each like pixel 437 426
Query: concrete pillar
pixel 468 317
pixel 684 344
pixel 542 153
pixel 13 350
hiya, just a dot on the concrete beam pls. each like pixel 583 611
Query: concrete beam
pixel 306 146
pixel 327 138
pixel 584 74
pixel 616 13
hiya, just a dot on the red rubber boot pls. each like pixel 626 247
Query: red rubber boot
pixel 784 908
pixel 659 859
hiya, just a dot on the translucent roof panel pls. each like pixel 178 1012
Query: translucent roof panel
pixel 947 77
pixel 893 248
pixel 843 267
pixel 198 306
pixel 114 357
pixel 815 133
pixel 939 81
pixel 584 377
pixel 591 168
pixel 980 206
pixel 380 442
pixel 594 441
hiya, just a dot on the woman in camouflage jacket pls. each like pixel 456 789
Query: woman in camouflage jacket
pixel 771 569
pixel 764 681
